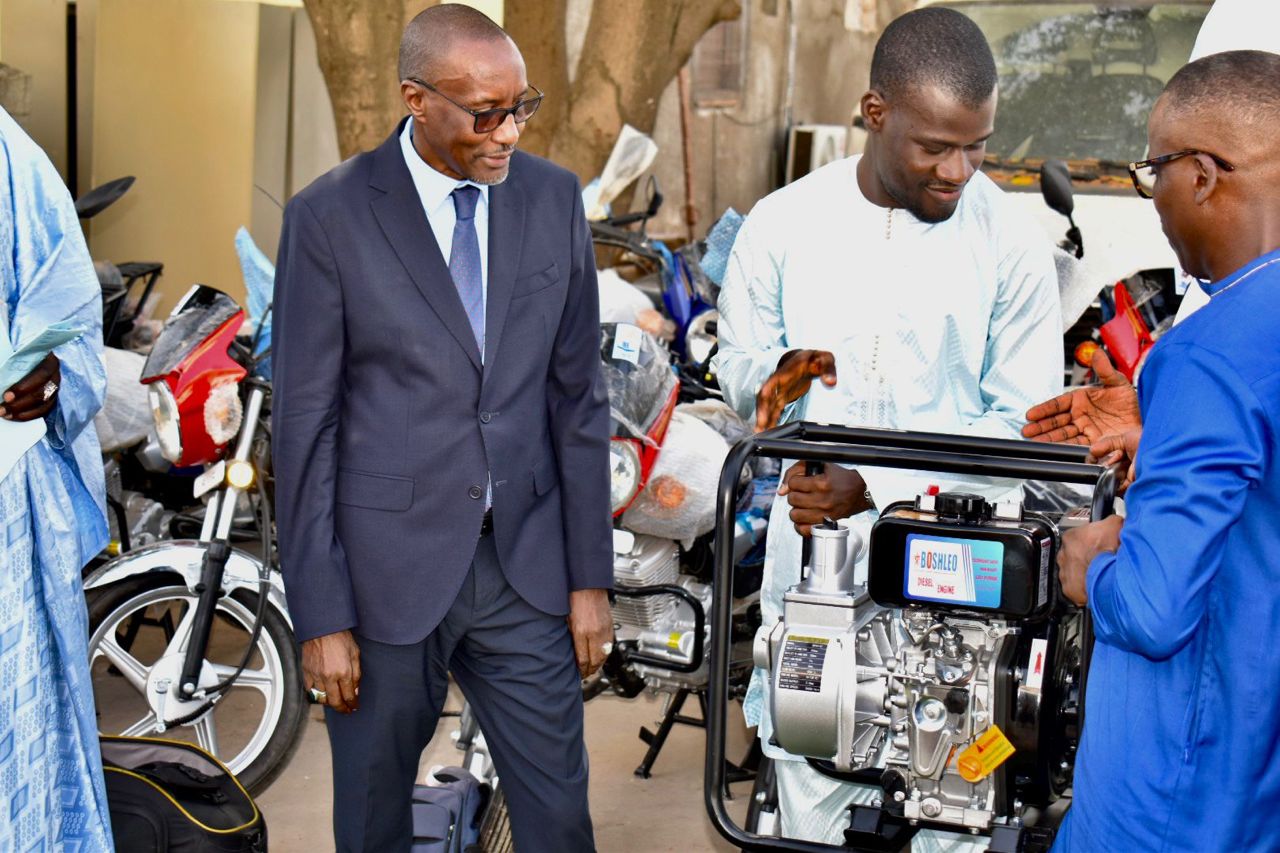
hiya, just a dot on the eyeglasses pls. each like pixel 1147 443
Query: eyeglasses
pixel 1143 172
pixel 487 121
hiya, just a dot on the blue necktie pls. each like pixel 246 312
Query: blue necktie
pixel 464 260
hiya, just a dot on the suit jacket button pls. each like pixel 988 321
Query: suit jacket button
pixel 475 492
pixel 485 417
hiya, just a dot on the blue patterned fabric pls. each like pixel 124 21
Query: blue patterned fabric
pixel 52 521
pixel 464 259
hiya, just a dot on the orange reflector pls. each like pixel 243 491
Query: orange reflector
pixel 1084 353
pixel 984 755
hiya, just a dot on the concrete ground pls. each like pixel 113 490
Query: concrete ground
pixel 632 815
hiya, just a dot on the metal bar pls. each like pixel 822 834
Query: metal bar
pixel 906 439
pixel 699 626
pixel 941 461
pixel 888 449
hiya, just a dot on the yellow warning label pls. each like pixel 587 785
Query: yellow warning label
pixel 673 640
pixel 984 755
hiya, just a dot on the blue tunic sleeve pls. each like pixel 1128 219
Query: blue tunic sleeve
pixel 1203 439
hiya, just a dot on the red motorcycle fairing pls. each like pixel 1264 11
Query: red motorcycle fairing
pixel 192 363
pixel 650 447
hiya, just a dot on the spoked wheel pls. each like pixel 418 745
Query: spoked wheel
pixel 139 630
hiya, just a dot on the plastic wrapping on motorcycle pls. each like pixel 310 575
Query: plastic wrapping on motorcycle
pixel 715 260
pixel 620 300
pixel 679 500
pixel 1022 695
pixel 259 284
pixel 637 373
pixel 171 797
pixel 125 416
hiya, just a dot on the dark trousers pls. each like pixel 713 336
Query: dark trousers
pixel 515 665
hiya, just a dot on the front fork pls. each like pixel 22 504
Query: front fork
pixel 217 533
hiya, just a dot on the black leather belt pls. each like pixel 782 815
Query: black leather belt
pixel 486 526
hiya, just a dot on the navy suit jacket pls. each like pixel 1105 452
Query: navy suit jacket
pixel 386 424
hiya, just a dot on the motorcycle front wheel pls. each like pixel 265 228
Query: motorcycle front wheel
pixel 138 633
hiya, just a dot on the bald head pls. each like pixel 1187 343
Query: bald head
pixel 432 35
pixel 1219 199
pixel 1234 95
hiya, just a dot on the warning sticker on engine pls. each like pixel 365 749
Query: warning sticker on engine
pixel 984 755
pixel 802 659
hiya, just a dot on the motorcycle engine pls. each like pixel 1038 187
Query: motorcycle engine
pixel 659 628
pixel 950 679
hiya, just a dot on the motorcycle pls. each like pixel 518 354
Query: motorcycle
pixel 192 636
pixel 1125 318
pixel 125 287
pixel 664 459
pixel 674 284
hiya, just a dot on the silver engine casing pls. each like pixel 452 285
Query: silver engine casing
pixel 867 687
pixel 660 626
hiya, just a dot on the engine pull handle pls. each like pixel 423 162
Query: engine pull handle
pixel 812 468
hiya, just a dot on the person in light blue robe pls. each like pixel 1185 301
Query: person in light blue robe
pixel 52 522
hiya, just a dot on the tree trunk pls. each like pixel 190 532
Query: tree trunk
pixel 538 29
pixel 632 52
pixel 357 43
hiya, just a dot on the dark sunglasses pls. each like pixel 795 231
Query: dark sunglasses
pixel 1143 172
pixel 487 121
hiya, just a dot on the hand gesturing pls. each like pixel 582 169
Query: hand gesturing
pixel 1087 414
pixel 790 381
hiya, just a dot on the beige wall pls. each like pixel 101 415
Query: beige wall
pixel 174 98
pixel 34 39
pixel 738 153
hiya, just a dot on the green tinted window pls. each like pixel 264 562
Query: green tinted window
pixel 1078 80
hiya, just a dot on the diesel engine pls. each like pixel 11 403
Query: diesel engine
pixel 950 678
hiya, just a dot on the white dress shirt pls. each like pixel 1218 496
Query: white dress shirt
pixel 435 189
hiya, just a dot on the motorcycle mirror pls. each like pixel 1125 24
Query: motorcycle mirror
pixel 655 198
pixel 100 198
pixel 1055 186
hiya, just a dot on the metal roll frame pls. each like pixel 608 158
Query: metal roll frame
pixel 946 454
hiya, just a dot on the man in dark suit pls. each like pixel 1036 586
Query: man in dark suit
pixel 441 445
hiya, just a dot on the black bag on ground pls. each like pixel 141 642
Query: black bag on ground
pixel 171 797
pixel 447 814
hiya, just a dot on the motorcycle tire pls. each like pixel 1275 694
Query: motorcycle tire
pixel 124 610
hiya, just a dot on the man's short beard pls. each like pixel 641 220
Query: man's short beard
pixel 912 206
pixel 491 182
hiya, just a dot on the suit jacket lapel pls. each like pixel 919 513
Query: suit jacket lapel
pixel 399 213
pixel 506 241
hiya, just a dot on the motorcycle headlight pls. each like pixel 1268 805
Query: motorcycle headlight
pixel 164 411
pixel 223 412
pixel 624 473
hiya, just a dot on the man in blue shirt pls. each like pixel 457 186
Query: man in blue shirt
pixel 1182 746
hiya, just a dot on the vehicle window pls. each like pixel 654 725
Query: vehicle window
pixel 1078 80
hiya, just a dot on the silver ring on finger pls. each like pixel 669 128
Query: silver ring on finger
pixel 318 696
pixel 50 388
